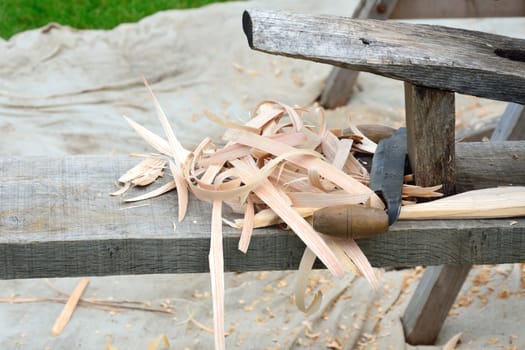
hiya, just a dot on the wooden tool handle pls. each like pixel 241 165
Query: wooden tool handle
pixel 350 221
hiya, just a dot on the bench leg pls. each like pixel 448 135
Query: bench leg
pixel 430 120
pixel 429 306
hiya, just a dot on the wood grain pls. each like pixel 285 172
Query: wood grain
pixel 430 122
pixel 57 220
pixel 340 82
pixel 463 61
pixel 432 301
pixel 488 164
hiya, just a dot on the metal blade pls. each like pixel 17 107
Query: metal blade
pixel 388 169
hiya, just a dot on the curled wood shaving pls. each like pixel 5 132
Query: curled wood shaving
pixel 155 193
pixel 305 266
pixel 273 169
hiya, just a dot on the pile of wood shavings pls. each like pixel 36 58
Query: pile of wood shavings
pixel 274 169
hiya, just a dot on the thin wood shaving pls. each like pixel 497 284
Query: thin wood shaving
pixel 69 308
pixel 273 169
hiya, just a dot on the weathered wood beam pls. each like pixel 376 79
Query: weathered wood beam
pixel 486 162
pixel 57 220
pixel 463 61
pixel 430 122
pixel 340 82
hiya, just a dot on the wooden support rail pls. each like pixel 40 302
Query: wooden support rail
pixel 463 61
pixel 57 220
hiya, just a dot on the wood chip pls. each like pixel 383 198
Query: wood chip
pixel 277 169
pixel 69 308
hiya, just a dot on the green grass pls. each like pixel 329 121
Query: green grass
pixel 20 15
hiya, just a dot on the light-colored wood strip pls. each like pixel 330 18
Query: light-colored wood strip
pixel 69 308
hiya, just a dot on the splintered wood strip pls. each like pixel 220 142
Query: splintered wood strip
pixel 310 237
pixel 182 190
pixel 69 308
pixel 342 153
pixel 365 144
pixel 267 217
pixel 144 173
pixel 247 227
pixel 301 284
pixel 249 183
pixel 216 261
pixel 315 180
pixel 327 170
pixel 330 146
pixel 179 152
pixel 233 151
pixel 227 123
pixel 358 257
pixel 151 138
pixel 155 193
pixel 122 190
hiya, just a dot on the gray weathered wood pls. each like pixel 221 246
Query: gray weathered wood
pixel 486 162
pixel 430 122
pixel 340 82
pixel 458 8
pixel 339 87
pixel 511 125
pixel 432 301
pixel 440 285
pixel 57 220
pixel 467 62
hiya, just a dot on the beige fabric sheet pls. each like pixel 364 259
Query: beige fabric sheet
pixel 64 91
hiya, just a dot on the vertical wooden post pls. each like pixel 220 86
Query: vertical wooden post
pixel 440 285
pixel 430 119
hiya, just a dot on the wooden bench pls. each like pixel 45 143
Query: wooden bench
pixel 57 219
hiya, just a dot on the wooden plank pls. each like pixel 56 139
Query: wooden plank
pixel 430 121
pixel 458 9
pixel 57 220
pixel 340 82
pixel 507 162
pixel 473 63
